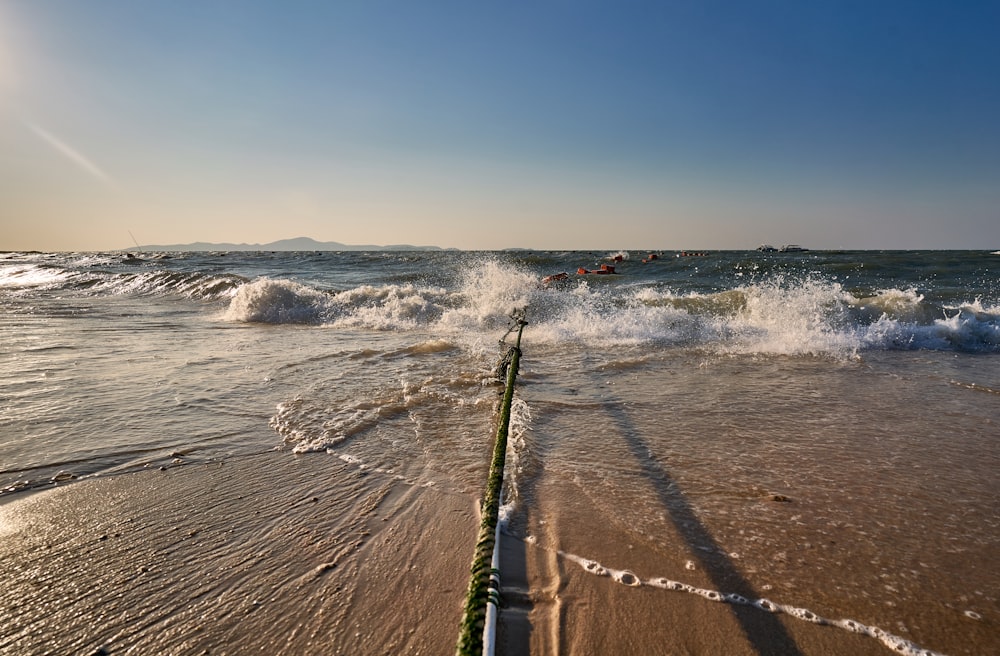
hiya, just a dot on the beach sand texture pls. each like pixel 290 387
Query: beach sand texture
pixel 309 554
pixel 241 558
pixel 269 554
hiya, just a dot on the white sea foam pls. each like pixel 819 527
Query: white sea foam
pixel 809 316
pixel 389 307
pixel 905 304
pixel 806 318
pixel 628 578
pixel 311 427
pixel 488 294
pixel 517 452
pixel 278 301
pixel 969 327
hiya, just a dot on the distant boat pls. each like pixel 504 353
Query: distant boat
pixel 793 248
pixel 766 248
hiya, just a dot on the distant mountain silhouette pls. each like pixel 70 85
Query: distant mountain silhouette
pixel 297 244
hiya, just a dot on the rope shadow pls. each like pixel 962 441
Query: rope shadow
pixel 763 630
pixel 514 634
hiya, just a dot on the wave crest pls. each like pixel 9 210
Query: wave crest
pixel 277 301
pixel 809 316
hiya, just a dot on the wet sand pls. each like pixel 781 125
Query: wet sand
pixel 270 554
pixel 561 603
pixel 579 581
pixel 559 606
pixel 310 555
pixel 851 507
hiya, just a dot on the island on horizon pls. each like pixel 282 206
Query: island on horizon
pixel 296 244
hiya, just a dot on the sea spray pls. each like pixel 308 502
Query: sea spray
pixel 775 315
pixel 489 291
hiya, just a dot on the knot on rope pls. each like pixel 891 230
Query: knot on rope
pixel 517 322
pixel 503 364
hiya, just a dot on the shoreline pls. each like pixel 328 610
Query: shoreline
pixel 309 554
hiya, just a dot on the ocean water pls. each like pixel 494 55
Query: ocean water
pixel 821 427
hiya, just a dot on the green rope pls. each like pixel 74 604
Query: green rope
pixel 470 640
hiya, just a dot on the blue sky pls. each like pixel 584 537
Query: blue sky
pixel 549 124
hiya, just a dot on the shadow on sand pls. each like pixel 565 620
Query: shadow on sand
pixel 765 632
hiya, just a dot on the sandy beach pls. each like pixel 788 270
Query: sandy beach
pixel 270 554
pixel 311 555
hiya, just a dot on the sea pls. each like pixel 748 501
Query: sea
pixel 822 426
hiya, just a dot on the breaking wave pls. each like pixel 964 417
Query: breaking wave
pixel 23 279
pixel 810 316
pixel 786 312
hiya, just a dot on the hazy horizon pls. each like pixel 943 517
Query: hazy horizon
pixel 287 245
pixel 581 126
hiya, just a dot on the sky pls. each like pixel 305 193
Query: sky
pixel 550 124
